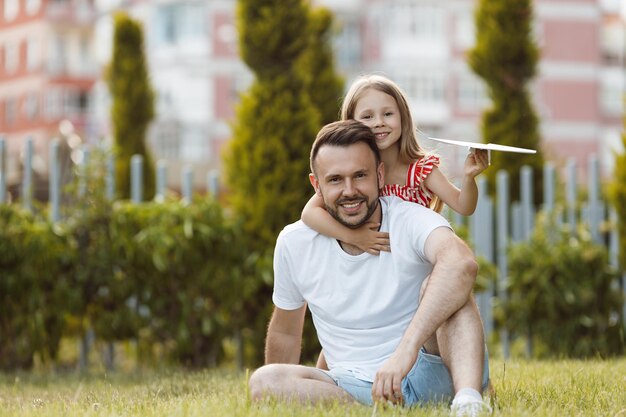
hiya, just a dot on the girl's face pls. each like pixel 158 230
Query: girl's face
pixel 380 112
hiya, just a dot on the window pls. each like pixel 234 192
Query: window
pixel 58 55
pixel 348 45
pixel 464 31
pixel 180 22
pixel 31 106
pixel 11 57
pixel 425 86
pixel 10 111
pixel 612 42
pixel 165 139
pixel 85 55
pixel 32 6
pixel 612 92
pixel 471 94
pixel 11 9
pixel 417 20
pixel 53 107
pixel 33 54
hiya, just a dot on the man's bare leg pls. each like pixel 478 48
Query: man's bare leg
pixel 295 383
pixel 460 342
pixel 461 345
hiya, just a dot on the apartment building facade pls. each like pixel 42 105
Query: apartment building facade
pixel 53 52
pixel 194 65
pixel 422 44
pixel 47 72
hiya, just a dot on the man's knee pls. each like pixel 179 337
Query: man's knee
pixel 263 379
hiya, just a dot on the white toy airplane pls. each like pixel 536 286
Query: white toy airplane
pixel 488 146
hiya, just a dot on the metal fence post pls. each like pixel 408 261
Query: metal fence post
pixel 27 179
pixel 481 228
pixel 187 185
pixel 502 241
pixel 595 208
pixel 161 180
pixel 54 182
pixel 3 171
pixel 213 183
pixel 528 210
pixel 109 179
pixel 571 194
pixel 548 188
pixel 136 178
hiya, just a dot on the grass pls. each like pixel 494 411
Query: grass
pixel 523 388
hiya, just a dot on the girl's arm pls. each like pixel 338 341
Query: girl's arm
pixel 463 200
pixel 366 237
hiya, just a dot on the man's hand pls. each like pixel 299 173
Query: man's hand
pixel 388 381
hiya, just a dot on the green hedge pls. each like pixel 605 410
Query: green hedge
pixel 563 295
pixel 166 273
pixel 36 286
pixel 178 276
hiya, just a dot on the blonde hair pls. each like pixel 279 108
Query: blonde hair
pixel 410 151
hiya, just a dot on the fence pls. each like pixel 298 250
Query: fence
pixel 493 226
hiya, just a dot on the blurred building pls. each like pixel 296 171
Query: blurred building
pixel 46 74
pixel 52 55
pixel 191 48
pixel 422 44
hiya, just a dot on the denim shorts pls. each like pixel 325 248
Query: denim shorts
pixel 428 381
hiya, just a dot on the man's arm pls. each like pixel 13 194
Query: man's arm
pixel 284 336
pixel 448 289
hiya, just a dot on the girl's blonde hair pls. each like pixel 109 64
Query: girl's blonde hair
pixel 410 151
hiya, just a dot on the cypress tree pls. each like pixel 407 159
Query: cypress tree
pixel 505 57
pixel 324 85
pixel 267 164
pixel 132 103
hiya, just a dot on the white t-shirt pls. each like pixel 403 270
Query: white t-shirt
pixel 361 305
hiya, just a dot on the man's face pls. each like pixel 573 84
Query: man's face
pixel 348 180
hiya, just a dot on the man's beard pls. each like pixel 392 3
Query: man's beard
pixel 371 208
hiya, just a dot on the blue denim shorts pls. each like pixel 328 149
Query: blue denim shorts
pixel 428 381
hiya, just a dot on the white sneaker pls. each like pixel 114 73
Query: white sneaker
pixel 468 406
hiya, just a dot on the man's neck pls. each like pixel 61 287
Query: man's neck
pixel 376 217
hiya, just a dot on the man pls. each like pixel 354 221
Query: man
pixel 400 327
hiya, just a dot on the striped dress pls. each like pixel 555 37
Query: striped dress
pixel 415 191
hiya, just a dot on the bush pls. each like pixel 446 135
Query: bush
pixel 36 268
pixel 562 294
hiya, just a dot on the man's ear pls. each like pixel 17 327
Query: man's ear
pixel 315 183
pixel 380 171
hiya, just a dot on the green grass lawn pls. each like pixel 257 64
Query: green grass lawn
pixel 523 388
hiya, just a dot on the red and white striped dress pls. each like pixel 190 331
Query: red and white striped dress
pixel 415 191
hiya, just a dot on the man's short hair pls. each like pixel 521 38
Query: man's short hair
pixel 344 133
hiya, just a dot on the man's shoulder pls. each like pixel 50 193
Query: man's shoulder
pixel 395 203
pixel 297 231
pixel 396 208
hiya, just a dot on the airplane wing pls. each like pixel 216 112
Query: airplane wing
pixel 488 146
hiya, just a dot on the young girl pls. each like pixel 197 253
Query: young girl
pixel 410 173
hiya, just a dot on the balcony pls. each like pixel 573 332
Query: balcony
pixel 79 12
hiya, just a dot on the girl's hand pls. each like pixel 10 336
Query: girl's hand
pixel 476 162
pixel 369 239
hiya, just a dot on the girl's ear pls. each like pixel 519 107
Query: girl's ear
pixel 315 183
